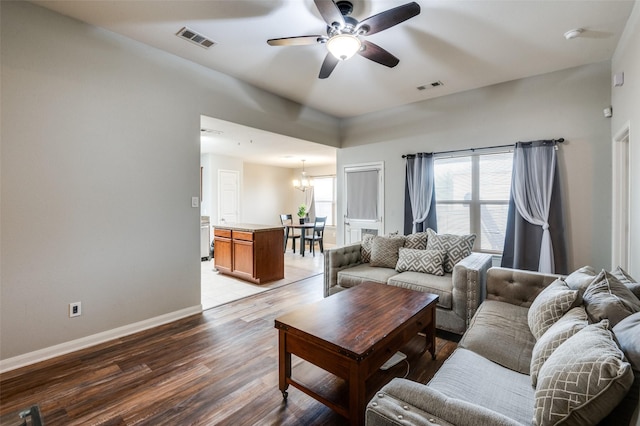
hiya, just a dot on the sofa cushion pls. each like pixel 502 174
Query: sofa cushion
pixel 457 247
pixel 365 247
pixel 572 322
pixel 626 279
pixel 470 377
pixel 427 261
pixel 416 241
pixel 499 332
pixel 581 278
pixel 550 305
pixel 384 251
pixel 583 380
pixel 358 274
pixel 442 286
pixel 608 298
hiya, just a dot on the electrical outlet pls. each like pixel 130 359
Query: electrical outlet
pixel 75 309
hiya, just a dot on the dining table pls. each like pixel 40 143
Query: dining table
pixel 303 230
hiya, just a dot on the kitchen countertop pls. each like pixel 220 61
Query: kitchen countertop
pixel 248 227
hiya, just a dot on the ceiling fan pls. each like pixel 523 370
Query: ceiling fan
pixel 345 34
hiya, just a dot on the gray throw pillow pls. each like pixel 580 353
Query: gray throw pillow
pixel 627 333
pixel 416 241
pixel 570 323
pixel 365 247
pixel 608 298
pixel 583 379
pixel 384 251
pixel 626 279
pixel 457 247
pixel 549 306
pixel 426 261
pixel 581 278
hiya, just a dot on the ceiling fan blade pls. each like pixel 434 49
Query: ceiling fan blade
pixel 328 65
pixel 330 12
pixel 378 54
pixel 389 18
pixel 296 41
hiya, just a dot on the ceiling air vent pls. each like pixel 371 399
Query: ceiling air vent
pixel 431 85
pixel 196 38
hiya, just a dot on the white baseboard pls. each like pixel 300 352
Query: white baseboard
pixel 85 342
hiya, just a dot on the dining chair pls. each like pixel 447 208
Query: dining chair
pixel 287 219
pixel 317 235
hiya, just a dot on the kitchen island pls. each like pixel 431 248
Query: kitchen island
pixel 250 252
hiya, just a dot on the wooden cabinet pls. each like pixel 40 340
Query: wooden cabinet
pixel 250 252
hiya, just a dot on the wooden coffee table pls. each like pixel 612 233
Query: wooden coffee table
pixel 350 335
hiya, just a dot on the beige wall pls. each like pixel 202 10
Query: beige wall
pixel 100 158
pixel 626 111
pixel 267 193
pixel 564 104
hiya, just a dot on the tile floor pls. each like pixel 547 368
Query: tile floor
pixel 218 289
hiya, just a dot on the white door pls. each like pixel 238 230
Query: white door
pixel 363 201
pixel 228 196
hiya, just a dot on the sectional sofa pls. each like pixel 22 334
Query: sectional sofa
pixel 540 350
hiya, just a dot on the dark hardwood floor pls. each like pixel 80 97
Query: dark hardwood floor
pixel 219 367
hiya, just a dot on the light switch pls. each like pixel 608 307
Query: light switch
pixel 195 201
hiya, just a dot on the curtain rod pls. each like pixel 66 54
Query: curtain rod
pixel 560 140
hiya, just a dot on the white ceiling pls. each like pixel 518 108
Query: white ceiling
pixel 464 44
pixel 258 146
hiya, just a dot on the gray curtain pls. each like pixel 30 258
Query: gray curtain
pixel 535 235
pixel 419 194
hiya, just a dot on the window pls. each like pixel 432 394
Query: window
pixel 324 194
pixel 472 196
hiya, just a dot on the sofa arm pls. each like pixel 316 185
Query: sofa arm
pixel 403 402
pixel 516 286
pixel 337 259
pixel 469 284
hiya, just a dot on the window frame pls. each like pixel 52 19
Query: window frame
pixel 334 197
pixel 475 203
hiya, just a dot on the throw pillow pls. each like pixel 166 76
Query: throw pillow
pixel 570 323
pixel 627 334
pixel 549 306
pixel 365 247
pixel 426 261
pixel 384 251
pixel 457 247
pixel 626 279
pixel 416 241
pixel 608 298
pixel 581 278
pixel 583 380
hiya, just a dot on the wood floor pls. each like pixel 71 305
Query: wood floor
pixel 216 368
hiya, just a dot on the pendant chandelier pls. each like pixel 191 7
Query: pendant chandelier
pixel 304 182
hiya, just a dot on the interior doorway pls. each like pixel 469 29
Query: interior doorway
pixel 620 201
pixel 228 196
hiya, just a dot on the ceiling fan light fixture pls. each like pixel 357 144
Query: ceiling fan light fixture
pixel 344 46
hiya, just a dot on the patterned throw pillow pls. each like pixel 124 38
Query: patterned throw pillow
pixel 626 279
pixel 583 380
pixel 608 298
pixel 457 247
pixel 365 247
pixel 549 306
pixel 416 241
pixel 384 251
pixel 572 322
pixel 426 261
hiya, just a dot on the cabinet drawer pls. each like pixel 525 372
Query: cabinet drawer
pixel 242 235
pixel 225 233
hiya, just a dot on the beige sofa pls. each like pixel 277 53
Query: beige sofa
pixel 487 380
pixel 460 292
